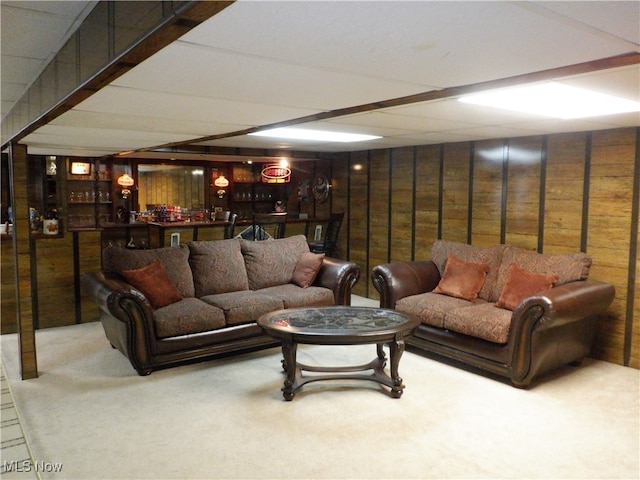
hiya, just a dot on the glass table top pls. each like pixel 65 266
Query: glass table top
pixel 336 319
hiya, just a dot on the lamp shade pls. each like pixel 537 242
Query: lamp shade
pixel 221 181
pixel 125 180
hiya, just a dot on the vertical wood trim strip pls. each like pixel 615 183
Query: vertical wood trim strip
pixel 633 254
pixel 313 177
pixel 78 69
pixel 440 192
pixel 505 190
pixel 389 202
pixel 76 276
pixel 368 213
pixel 348 220
pixel 472 152
pixel 585 193
pixel 543 190
pixel 414 187
pixel 331 178
pixel 111 33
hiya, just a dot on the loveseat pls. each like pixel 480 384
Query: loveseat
pixel 166 306
pixel 503 310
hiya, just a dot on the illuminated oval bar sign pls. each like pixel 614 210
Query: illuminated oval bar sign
pixel 276 174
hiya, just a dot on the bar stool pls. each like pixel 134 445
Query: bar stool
pixel 329 245
pixel 267 225
pixel 229 229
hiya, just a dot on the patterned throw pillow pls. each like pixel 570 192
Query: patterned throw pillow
pixel 307 269
pixel 462 279
pixel 521 284
pixel 154 282
pixel 492 256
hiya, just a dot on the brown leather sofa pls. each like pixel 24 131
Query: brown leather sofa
pixel 222 289
pixel 544 331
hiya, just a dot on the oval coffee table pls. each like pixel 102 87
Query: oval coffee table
pixel 340 325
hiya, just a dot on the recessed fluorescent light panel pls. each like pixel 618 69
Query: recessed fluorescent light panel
pixel 553 100
pixel 314 135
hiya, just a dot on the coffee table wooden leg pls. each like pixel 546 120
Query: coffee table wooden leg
pixel 289 365
pixel 396 348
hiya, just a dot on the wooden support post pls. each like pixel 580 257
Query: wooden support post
pixel 23 260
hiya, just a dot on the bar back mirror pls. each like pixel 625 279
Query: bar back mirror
pixel 176 185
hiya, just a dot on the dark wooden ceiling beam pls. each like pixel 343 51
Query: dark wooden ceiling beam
pixel 631 58
pixel 169 30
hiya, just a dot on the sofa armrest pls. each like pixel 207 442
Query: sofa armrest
pixel 108 290
pixel 568 303
pixel 555 327
pixel 127 317
pixel 397 280
pixel 339 276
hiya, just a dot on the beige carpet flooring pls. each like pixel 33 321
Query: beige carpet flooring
pixel 226 418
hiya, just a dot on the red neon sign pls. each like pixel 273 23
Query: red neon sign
pixel 276 174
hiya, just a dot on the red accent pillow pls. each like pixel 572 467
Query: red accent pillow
pixel 307 269
pixel 154 282
pixel 462 279
pixel 521 284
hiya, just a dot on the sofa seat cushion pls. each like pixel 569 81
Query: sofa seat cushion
pixel 489 255
pixel 218 267
pixel 272 262
pixel 569 267
pixel 431 308
pixel 481 321
pixel 294 296
pixel 242 307
pixel 186 317
pixel 174 259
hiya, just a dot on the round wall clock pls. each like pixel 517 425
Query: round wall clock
pixel 321 188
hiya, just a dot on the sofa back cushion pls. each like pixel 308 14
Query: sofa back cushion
pixel 569 267
pixel 272 262
pixel 489 255
pixel 174 259
pixel 217 266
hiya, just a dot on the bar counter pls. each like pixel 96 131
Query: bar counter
pixel 160 233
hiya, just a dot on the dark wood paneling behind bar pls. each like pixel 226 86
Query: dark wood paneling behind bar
pixel 552 194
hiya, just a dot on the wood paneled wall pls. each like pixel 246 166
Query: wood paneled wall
pixel 552 194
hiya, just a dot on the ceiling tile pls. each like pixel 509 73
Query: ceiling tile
pixel 142 123
pixel 174 108
pixel 614 18
pixel 466 42
pixel 258 80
